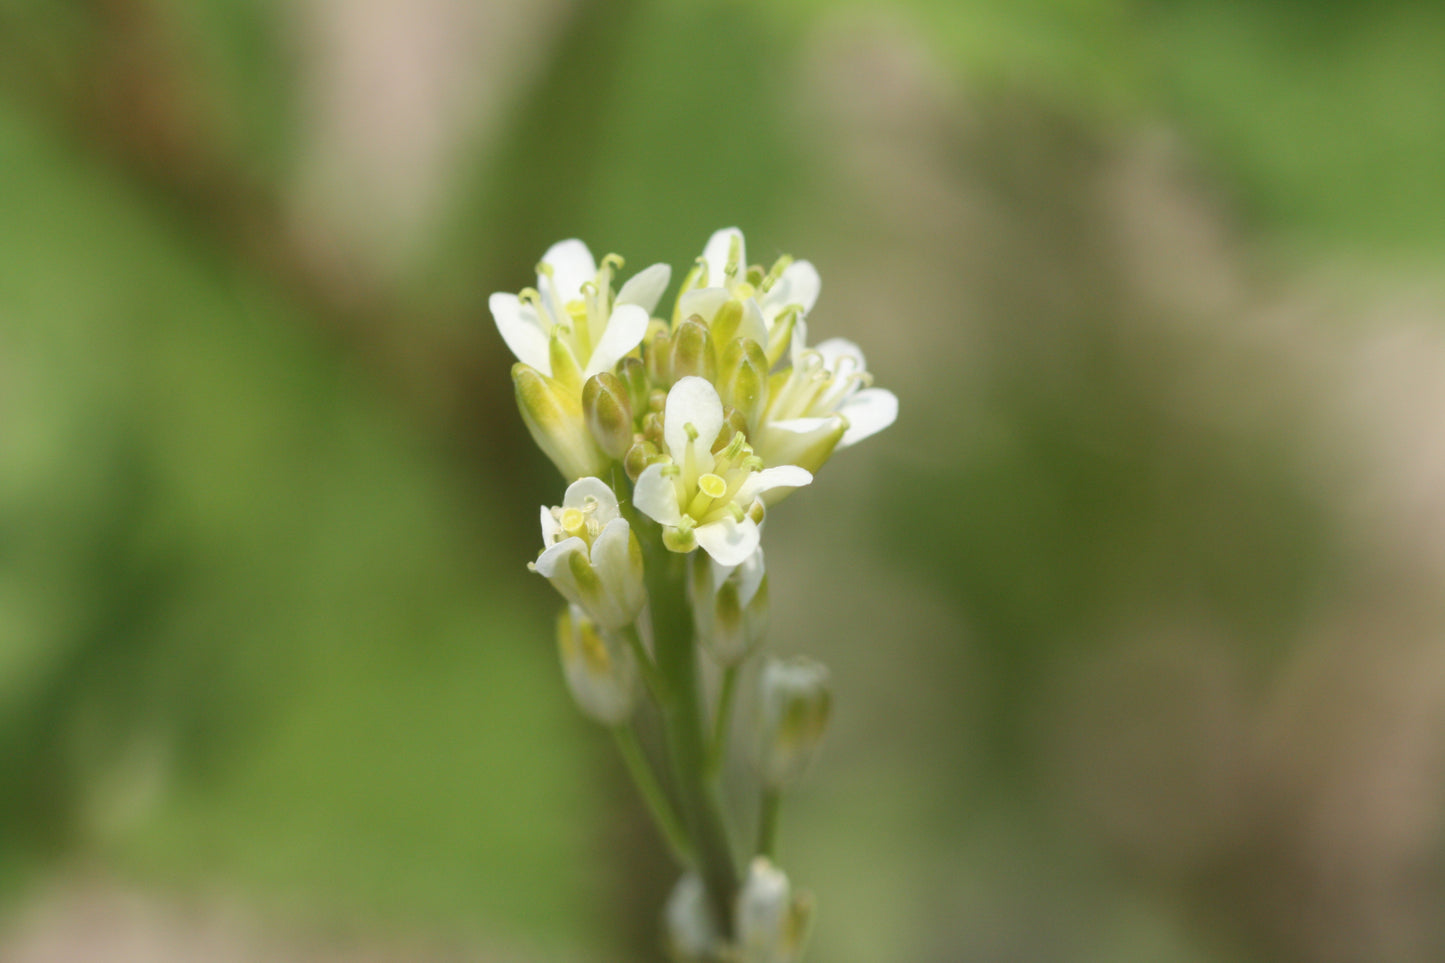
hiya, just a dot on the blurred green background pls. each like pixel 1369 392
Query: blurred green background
pixel 1135 616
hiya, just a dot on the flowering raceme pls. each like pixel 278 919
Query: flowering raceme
pixel 677 434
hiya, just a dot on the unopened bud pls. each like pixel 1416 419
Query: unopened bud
pixel 692 933
pixel 743 379
pixel 726 321
pixel 601 672
pixel 639 456
pixel 633 372
pixel 692 352
pixel 657 356
pixel 565 368
pixel 772 924
pixel 554 418
pixel 730 607
pixel 608 411
pixel 796 703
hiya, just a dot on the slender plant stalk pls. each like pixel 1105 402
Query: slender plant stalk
pixel 652 793
pixel 648 668
pixel 682 709
pixel 717 750
pixel 768 823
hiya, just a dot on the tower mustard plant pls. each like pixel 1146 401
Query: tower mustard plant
pixel 676 436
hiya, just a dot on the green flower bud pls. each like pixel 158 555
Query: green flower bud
pixel 743 379
pixel 633 372
pixel 554 418
pixel 608 411
pixel 600 671
pixel 796 703
pixel 725 323
pixel 639 456
pixel 657 356
pixel 692 351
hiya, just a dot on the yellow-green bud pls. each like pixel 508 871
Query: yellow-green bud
pixel 796 703
pixel 743 379
pixel 601 673
pixel 608 411
pixel 633 372
pixel 639 456
pixel 725 323
pixel 657 355
pixel 553 417
pixel 692 352
pixel 565 368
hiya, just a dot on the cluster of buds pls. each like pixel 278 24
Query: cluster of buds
pixel 676 435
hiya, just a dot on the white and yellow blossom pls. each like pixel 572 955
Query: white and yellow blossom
pixel 774 302
pixel 824 401
pixel 592 556
pixel 572 326
pixel 704 498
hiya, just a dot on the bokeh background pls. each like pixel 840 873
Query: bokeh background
pixel 1135 616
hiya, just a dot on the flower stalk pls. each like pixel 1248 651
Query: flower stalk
pixel 676 434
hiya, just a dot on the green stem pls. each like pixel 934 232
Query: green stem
pixel 650 676
pixel 718 748
pixel 651 790
pixel 768 822
pixel 682 713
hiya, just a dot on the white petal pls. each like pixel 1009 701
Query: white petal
pixel 729 542
pixel 553 562
pixel 703 302
pixel 584 488
pixel 609 549
pixel 550 526
pixel 716 254
pixel 799 284
pixel 868 412
pixel 783 476
pixel 645 287
pixel 522 330
pixel 572 266
pixel 692 401
pixel 655 496
pixel 625 330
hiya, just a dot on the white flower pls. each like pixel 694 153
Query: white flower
pixel 796 703
pixel 703 498
pixel 826 401
pixel 691 932
pixel 774 304
pixel 592 556
pixel 571 326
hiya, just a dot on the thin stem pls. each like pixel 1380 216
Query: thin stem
pixel 682 711
pixel 717 750
pixel 651 790
pixel 650 676
pixel 768 822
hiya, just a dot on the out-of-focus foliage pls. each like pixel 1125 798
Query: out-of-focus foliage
pixel 1133 617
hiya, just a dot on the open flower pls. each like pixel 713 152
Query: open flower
pixel 825 401
pixel 706 498
pixel 774 302
pixel 571 326
pixel 592 556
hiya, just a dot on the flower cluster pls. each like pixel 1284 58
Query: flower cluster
pixel 675 435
